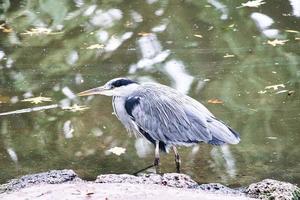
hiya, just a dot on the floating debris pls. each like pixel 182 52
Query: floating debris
pixel 198 36
pixel 292 31
pixel 281 91
pixel 276 42
pixel 75 108
pixel 117 150
pixel 215 101
pixel 262 92
pixel 27 110
pixel 252 4
pixel 272 138
pixel 275 87
pixel 228 55
pixel 37 100
pixel 40 31
pixel 143 33
pixel 96 46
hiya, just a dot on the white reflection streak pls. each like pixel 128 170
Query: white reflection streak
pixel 143 148
pixel 219 6
pixel 263 22
pixel 296 7
pixel 12 154
pixel 68 129
pixel 220 155
pixel 176 70
pixel 66 91
pixel 151 51
pixel 90 10
pixel 229 160
pixel 27 110
pixel 107 18
pixel 72 57
pixel 114 42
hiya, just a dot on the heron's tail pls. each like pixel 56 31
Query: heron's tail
pixel 222 134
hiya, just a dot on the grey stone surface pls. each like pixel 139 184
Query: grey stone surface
pixel 68 181
pixel 272 189
pixel 168 179
pixel 50 177
pixel 219 188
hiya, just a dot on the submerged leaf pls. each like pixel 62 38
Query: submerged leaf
pixel 117 150
pixel 37 100
pixel 215 101
pixel 143 34
pixel 5 30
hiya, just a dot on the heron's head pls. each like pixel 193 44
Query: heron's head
pixel 114 87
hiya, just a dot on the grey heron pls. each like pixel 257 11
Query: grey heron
pixel 164 116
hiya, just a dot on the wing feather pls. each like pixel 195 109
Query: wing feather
pixel 168 117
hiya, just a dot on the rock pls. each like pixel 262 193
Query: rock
pixel 272 189
pixel 50 177
pixel 168 179
pixel 219 188
pixel 112 191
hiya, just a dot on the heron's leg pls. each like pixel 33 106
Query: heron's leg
pixel 156 160
pixel 177 159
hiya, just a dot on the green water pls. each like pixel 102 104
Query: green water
pixel 206 49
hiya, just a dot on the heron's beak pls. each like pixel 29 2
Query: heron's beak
pixel 97 90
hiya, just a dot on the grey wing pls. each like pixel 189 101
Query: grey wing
pixel 166 118
pixel 173 118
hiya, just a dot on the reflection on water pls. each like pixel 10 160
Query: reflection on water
pixel 246 57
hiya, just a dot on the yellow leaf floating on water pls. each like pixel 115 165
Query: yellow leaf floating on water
pixel 76 108
pixel 95 46
pixel 37 100
pixel 275 87
pixel 253 4
pixel 276 42
pixel 5 30
pixel 117 150
pixel 215 101
pixel 39 31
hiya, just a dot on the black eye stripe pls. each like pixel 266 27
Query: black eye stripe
pixel 122 82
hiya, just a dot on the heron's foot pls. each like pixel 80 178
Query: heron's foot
pixel 177 159
pixel 157 165
pixel 178 163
